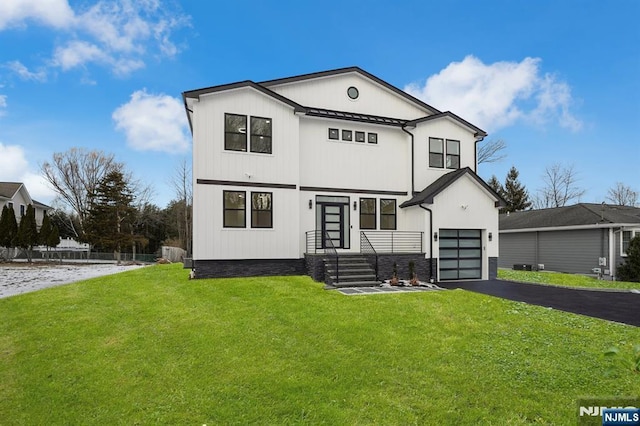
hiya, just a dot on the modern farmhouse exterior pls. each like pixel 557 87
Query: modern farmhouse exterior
pixel 309 173
pixel 584 238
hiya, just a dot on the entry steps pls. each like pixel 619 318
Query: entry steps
pixel 354 271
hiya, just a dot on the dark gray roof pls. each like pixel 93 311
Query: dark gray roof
pixel 9 189
pixel 346 71
pixel 576 215
pixel 426 195
pixel 479 131
pixel 352 116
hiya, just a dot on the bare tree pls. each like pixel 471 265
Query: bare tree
pixel 492 151
pixel 622 195
pixel 183 186
pixel 75 174
pixel 560 187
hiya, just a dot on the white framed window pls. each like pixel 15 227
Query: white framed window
pixel 626 236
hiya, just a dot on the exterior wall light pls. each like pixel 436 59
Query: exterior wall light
pixel 310 204
pixel 490 236
pixel 355 206
pixel 435 236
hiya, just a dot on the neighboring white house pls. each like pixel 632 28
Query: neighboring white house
pixel 16 196
pixel 294 171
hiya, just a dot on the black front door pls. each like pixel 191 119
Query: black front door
pixel 332 225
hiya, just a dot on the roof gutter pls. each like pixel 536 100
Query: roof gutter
pixel 572 227
pixel 413 163
pixel 431 279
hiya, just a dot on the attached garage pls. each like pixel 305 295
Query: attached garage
pixel 460 254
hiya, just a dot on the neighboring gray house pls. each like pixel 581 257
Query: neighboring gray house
pixel 574 239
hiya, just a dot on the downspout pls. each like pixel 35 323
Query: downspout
pixel 475 153
pixel 413 186
pixel 429 236
pixel 612 254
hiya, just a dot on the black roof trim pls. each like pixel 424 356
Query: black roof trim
pixel 352 116
pixel 347 70
pixel 440 184
pixel 479 131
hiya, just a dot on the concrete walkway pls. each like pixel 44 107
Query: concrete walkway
pixel 619 306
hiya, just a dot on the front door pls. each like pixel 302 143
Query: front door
pixel 332 225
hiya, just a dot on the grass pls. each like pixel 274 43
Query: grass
pixel 151 347
pixel 568 280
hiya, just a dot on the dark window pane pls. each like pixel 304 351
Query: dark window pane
pixel 367 221
pixel 235 142
pixel 453 161
pixel 388 206
pixel 261 135
pixel 234 219
pixel 333 134
pixel 387 222
pixel 373 138
pixel 235 132
pixel 261 144
pixel 453 147
pixel 234 199
pixel 368 205
pixel 235 123
pixel 347 135
pixel 359 136
pixel 435 160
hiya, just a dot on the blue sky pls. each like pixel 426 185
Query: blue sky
pixel 559 81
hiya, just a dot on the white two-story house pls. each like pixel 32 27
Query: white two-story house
pixel 303 174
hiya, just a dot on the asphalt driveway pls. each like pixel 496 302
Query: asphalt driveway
pixel 619 306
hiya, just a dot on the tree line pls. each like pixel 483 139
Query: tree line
pixel 26 235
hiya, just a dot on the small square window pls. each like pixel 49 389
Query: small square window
pixel 347 135
pixel 334 134
pixel 373 138
pixel 359 136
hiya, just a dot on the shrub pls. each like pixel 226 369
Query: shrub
pixel 630 269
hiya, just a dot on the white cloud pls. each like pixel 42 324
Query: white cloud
pixel 118 34
pixel 23 72
pixel 499 94
pixel 53 13
pixel 153 123
pixel 3 105
pixel 14 167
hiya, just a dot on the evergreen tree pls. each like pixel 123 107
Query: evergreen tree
pixel 8 229
pixel 630 270
pixel 111 214
pixel 45 234
pixel 495 184
pixel 515 194
pixel 27 235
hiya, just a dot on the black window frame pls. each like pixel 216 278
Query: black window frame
pixel 252 134
pixel 374 214
pixel 372 138
pixel 394 214
pixel 449 157
pixel 434 154
pixel 227 132
pixel 225 209
pixel 23 210
pixel 337 134
pixel 347 132
pixel 359 136
pixel 256 211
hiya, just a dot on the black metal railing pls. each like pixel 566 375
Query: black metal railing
pixel 331 255
pixel 395 241
pixel 313 242
pixel 366 248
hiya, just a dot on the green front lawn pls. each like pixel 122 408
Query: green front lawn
pixel 568 280
pixel 151 347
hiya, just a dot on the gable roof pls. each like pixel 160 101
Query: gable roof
pixel 348 70
pixel 448 114
pixel 426 195
pixel 581 214
pixel 9 189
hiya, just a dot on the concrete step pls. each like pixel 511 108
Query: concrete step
pixel 353 278
pixel 357 284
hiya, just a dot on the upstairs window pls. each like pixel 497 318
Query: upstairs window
pixel 359 136
pixel 347 135
pixel 261 135
pixel 387 213
pixel 235 132
pixel 261 210
pixel 367 213
pixel 453 154
pixel 436 152
pixel 373 138
pixel 334 134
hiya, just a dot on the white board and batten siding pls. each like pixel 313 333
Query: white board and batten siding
pixel 331 93
pixel 465 205
pixel 213 162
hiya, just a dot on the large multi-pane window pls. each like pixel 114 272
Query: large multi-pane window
pixel 261 135
pixel 261 210
pixel 436 152
pixel 387 213
pixel 367 213
pixel 235 132
pixel 453 154
pixel 234 209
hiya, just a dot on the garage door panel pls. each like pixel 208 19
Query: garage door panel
pixel 460 254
